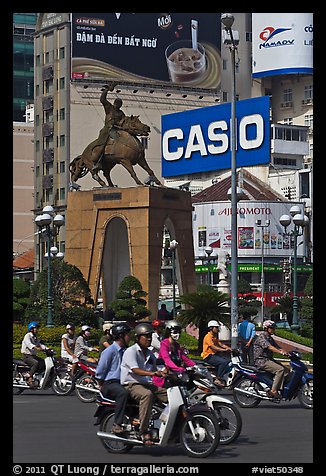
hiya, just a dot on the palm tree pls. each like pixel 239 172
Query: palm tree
pixel 205 304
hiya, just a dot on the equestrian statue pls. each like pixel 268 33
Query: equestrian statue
pixel 117 143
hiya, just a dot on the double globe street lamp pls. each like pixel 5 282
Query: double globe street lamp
pixel 300 222
pixel 51 222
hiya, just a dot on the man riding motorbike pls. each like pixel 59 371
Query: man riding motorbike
pixel 212 346
pixel 264 346
pixel 30 344
pixel 137 369
pixel 108 373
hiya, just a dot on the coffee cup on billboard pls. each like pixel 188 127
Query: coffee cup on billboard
pixel 185 64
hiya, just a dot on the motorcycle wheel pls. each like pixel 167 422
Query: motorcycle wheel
pixel 88 382
pixel 230 422
pixel 305 395
pixel 111 445
pixel 62 384
pixel 247 401
pixel 16 378
pixel 207 430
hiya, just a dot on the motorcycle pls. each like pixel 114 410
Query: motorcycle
pixel 250 385
pixel 194 426
pixel 203 389
pixel 56 375
pixel 85 383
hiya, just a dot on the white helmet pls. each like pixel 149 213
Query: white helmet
pixel 107 326
pixel 268 323
pixel 213 324
pixel 173 324
pixel 85 328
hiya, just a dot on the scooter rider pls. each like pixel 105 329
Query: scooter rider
pixel 264 346
pixel 211 347
pixel 137 369
pixel 171 352
pixel 82 347
pixel 68 341
pixel 108 373
pixel 30 344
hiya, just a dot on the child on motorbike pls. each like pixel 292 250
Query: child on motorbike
pixel 30 344
pixel 171 352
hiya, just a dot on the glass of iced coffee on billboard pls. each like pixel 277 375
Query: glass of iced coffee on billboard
pixel 185 64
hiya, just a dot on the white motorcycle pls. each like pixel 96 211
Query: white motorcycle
pixel 202 389
pixel 55 375
pixel 194 426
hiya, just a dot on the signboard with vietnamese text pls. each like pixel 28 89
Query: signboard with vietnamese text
pixel 177 48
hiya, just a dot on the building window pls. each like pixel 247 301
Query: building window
pixel 309 120
pixel 62 167
pixel 288 120
pixel 144 141
pixel 47 58
pixel 308 92
pixel 62 52
pixel 38 60
pixel 225 65
pixel 62 114
pixel 37 90
pixel 284 161
pixel 249 36
pixel 287 95
pixel 62 83
pixel 62 140
pixel 62 194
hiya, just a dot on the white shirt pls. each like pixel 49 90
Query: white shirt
pixel 29 343
pixel 156 343
pixel 71 344
pixel 134 358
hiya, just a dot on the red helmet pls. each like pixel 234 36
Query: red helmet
pixel 157 323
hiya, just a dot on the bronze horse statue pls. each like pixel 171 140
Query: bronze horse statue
pixel 123 147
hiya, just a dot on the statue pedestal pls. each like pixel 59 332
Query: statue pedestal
pixel 115 232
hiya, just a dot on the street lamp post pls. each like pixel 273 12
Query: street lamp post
pixel 52 223
pixel 231 39
pixel 300 221
pixel 173 246
pixel 262 279
pixel 209 251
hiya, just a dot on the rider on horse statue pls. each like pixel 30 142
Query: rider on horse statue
pixel 113 116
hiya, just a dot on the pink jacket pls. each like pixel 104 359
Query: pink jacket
pixel 170 365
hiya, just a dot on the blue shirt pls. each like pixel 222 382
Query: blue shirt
pixel 110 362
pixel 246 329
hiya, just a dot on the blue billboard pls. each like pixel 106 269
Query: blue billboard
pixel 199 140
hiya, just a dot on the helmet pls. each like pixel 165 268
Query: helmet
pixel 157 323
pixel 144 328
pixel 70 326
pixel 33 325
pixel 106 326
pixel 173 324
pixel 213 324
pixel 268 323
pixel 120 329
pixel 85 328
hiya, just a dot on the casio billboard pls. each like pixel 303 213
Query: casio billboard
pixel 199 140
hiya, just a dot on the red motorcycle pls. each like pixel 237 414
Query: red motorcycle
pixel 84 382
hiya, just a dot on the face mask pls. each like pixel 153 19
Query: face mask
pixel 87 333
pixel 175 335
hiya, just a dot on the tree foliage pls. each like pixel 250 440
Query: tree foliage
pixel 205 304
pixel 130 302
pixel 21 298
pixel 69 289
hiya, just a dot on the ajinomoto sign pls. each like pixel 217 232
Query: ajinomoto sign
pixel 212 227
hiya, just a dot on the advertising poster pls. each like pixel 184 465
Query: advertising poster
pixel 178 48
pixel 282 43
pixel 199 140
pixel 215 229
